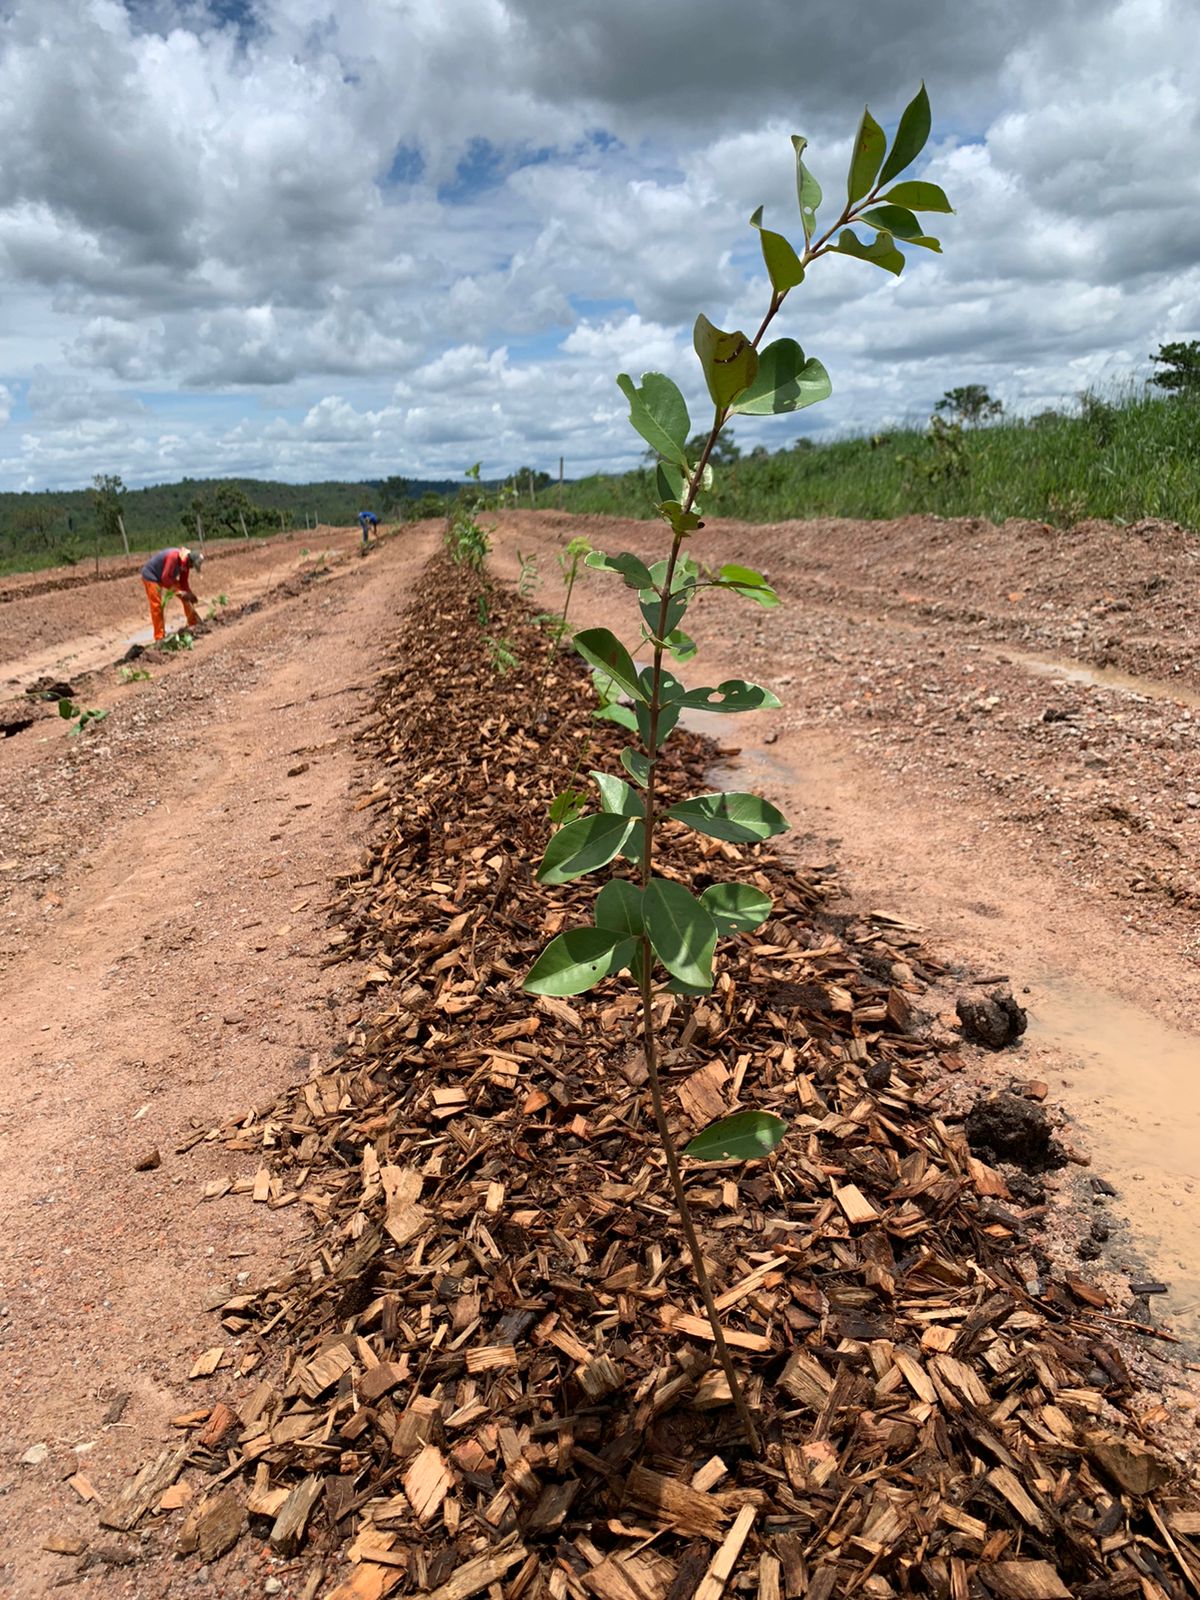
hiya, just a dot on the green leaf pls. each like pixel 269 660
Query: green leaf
pixel 668 716
pixel 784 267
pixel 900 222
pixel 740 818
pixel 749 584
pixel 735 907
pixel 679 520
pixel 619 908
pixel 743 577
pixel 681 646
pixel 617 797
pixel 659 413
pixel 729 360
pixel 785 382
pixel 746 1136
pixel 808 190
pixel 681 931
pixel 577 960
pixel 568 805
pixel 881 252
pixel 893 219
pixel 623 716
pixel 67 708
pixel 600 648
pixel 919 196
pixel 672 483
pixel 866 157
pixel 583 846
pixel 635 571
pixel 910 136
pixel 636 765
pixel 732 695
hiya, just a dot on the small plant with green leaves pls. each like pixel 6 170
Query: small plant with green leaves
pixel 570 558
pixel 176 642
pixel 650 925
pixel 503 657
pixel 132 674
pixel 527 575
pixel 217 602
pixel 78 717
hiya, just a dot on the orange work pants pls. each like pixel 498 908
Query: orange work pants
pixel 155 596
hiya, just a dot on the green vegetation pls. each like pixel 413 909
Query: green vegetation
pixel 1181 367
pixel 79 719
pixel 647 924
pixel 132 674
pixel 1122 458
pixel 176 642
pixel 62 527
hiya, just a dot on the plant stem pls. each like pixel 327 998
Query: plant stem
pixel 556 638
pixel 650 1046
pixel 649 1039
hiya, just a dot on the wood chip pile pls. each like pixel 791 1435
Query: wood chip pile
pixel 490 1370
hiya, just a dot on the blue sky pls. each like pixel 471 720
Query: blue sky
pixel 303 240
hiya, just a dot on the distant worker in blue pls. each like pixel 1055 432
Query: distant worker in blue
pixel 369 523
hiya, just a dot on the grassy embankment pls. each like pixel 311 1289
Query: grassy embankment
pixel 1138 457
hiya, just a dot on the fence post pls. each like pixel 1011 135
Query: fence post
pixel 560 483
pixel 242 520
pixel 124 535
pixel 200 530
pixel 532 495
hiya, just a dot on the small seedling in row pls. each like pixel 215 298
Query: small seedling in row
pixel 570 558
pixel 70 712
pixel 132 674
pixel 654 927
pixel 182 640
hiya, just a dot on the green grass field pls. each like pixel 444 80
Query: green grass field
pixel 1120 460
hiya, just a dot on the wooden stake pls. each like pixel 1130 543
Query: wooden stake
pixel 560 483
pixel 532 495
pixel 242 520
pixel 200 530
pixel 124 535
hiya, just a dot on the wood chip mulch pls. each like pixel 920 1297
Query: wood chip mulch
pixel 490 1370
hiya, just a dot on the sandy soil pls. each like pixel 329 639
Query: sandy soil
pixel 937 741
pixel 162 877
pixel 163 938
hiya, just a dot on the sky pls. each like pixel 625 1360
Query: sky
pixel 303 239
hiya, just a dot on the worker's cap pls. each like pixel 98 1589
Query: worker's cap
pixel 196 558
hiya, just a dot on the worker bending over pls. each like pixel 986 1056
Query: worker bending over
pixel 367 520
pixel 172 570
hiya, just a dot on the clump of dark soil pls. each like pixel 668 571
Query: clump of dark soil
pixel 1003 1127
pixel 995 1021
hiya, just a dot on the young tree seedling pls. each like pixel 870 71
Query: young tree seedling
pixel 652 926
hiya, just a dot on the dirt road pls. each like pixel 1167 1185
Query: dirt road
pixel 160 901
pixel 996 735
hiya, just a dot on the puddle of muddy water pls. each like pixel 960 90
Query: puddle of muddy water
pixel 739 735
pixel 1066 671
pixel 1136 1096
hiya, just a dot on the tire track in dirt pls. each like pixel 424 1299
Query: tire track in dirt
pixel 173 974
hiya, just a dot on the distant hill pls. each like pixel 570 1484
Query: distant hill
pixel 54 526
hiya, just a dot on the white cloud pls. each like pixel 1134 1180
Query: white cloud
pixel 369 238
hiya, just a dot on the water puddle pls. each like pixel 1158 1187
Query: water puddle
pixel 1067 671
pixel 738 735
pixel 1136 1096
